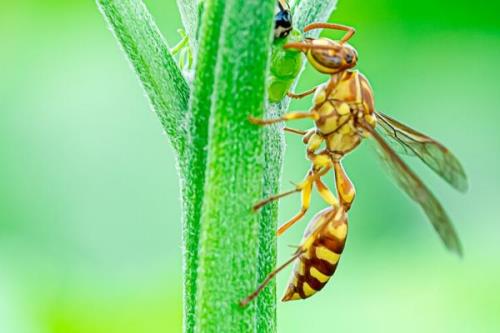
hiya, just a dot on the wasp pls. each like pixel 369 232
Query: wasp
pixel 344 114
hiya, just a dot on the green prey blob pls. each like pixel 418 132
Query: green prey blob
pixel 285 66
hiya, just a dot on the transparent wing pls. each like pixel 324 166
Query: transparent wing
pixel 408 141
pixel 419 192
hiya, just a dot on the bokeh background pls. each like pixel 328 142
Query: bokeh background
pixel 89 200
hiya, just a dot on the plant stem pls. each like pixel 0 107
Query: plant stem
pixel 229 244
pixel 148 53
pixel 230 72
pixel 196 155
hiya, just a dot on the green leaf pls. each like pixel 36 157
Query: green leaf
pixel 148 53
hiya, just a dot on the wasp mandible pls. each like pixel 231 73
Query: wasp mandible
pixel 344 114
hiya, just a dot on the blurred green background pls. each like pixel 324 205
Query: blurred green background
pixel 89 200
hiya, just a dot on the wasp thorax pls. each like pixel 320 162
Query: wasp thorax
pixel 331 57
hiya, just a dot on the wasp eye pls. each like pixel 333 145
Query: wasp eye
pixel 349 58
pixel 335 61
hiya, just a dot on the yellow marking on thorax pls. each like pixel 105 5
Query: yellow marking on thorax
pixel 318 275
pixel 348 89
pixel 325 254
pixel 320 95
pixel 343 142
pixel 343 109
pixel 371 120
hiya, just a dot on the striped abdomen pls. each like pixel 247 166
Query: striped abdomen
pixel 321 248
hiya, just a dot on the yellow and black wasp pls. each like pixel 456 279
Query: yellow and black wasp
pixel 344 114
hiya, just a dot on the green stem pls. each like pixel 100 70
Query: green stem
pixel 228 267
pixel 196 157
pixel 149 54
pixel 232 66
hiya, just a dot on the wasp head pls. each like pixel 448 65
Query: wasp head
pixel 327 56
pixel 330 57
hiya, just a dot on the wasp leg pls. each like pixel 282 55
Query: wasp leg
pixel 350 31
pixel 306 186
pixel 286 117
pixel 264 202
pixel 294 131
pixel 306 135
pixel 326 194
pixel 345 188
pixel 302 187
pixel 269 278
pixel 301 95
pixel 306 202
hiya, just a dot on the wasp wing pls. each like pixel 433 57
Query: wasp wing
pixel 406 140
pixel 419 192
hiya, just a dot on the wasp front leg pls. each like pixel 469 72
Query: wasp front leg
pixel 301 95
pixel 345 188
pixel 285 117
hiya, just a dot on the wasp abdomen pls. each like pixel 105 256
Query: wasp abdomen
pixel 323 244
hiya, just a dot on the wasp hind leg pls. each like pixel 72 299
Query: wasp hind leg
pixel 269 278
pixel 326 194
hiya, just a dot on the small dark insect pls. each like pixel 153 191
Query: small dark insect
pixel 283 23
pixel 344 114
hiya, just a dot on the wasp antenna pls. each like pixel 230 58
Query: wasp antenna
pixel 298 46
pixel 350 31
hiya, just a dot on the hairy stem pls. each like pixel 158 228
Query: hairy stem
pixel 229 244
pixel 148 53
pixel 236 249
pixel 196 155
